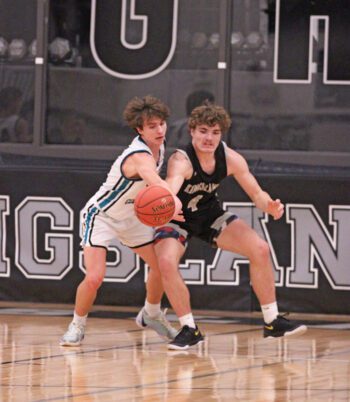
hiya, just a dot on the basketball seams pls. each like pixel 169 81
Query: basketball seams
pixel 147 193
pixel 168 197
pixel 152 214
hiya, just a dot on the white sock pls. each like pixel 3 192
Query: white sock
pixel 187 319
pixel 79 320
pixel 152 309
pixel 270 312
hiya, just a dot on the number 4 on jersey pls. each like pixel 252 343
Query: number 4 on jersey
pixel 192 205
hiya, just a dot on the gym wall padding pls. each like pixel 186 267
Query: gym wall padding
pixel 40 255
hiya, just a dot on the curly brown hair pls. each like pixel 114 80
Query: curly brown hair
pixel 138 110
pixel 209 114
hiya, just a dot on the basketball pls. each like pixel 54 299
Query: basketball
pixel 154 205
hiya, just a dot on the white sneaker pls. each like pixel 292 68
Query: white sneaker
pixel 159 324
pixel 73 336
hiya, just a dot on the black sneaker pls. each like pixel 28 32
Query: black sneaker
pixel 282 327
pixel 185 338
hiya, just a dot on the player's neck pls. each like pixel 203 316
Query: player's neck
pixel 205 157
pixel 155 148
pixel 207 161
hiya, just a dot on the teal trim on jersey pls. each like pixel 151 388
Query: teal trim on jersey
pixel 90 215
pixel 113 195
pixel 144 151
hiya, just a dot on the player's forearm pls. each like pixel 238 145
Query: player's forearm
pixel 261 200
pixel 150 176
pixel 174 183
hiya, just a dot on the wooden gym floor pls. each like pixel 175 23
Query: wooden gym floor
pixel 120 362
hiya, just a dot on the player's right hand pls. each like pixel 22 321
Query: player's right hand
pixel 178 214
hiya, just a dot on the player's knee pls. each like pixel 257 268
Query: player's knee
pixel 262 251
pixel 94 281
pixel 167 265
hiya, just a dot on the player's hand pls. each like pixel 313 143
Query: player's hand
pixel 179 217
pixel 178 214
pixel 275 208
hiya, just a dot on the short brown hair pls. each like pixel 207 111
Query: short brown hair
pixel 138 110
pixel 209 114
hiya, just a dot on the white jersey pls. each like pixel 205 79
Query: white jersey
pixel 117 194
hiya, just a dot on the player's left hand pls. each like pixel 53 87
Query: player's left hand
pixel 275 208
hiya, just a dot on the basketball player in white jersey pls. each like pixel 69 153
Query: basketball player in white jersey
pixel 109 214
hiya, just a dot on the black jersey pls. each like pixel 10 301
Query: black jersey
pixel 200 203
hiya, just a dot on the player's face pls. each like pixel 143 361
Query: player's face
pixel 205 138
pixel 153 130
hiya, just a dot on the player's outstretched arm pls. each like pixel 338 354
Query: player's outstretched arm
pixel 145 167
pixel 238 167
pixel 179 169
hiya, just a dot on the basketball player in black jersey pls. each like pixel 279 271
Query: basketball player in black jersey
pixel 194 175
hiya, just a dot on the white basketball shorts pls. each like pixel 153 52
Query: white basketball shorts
pixel 99 230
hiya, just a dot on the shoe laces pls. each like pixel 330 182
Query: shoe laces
pixel 184 333
pixel 162 318
pixel 73 328
pixel 284 315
